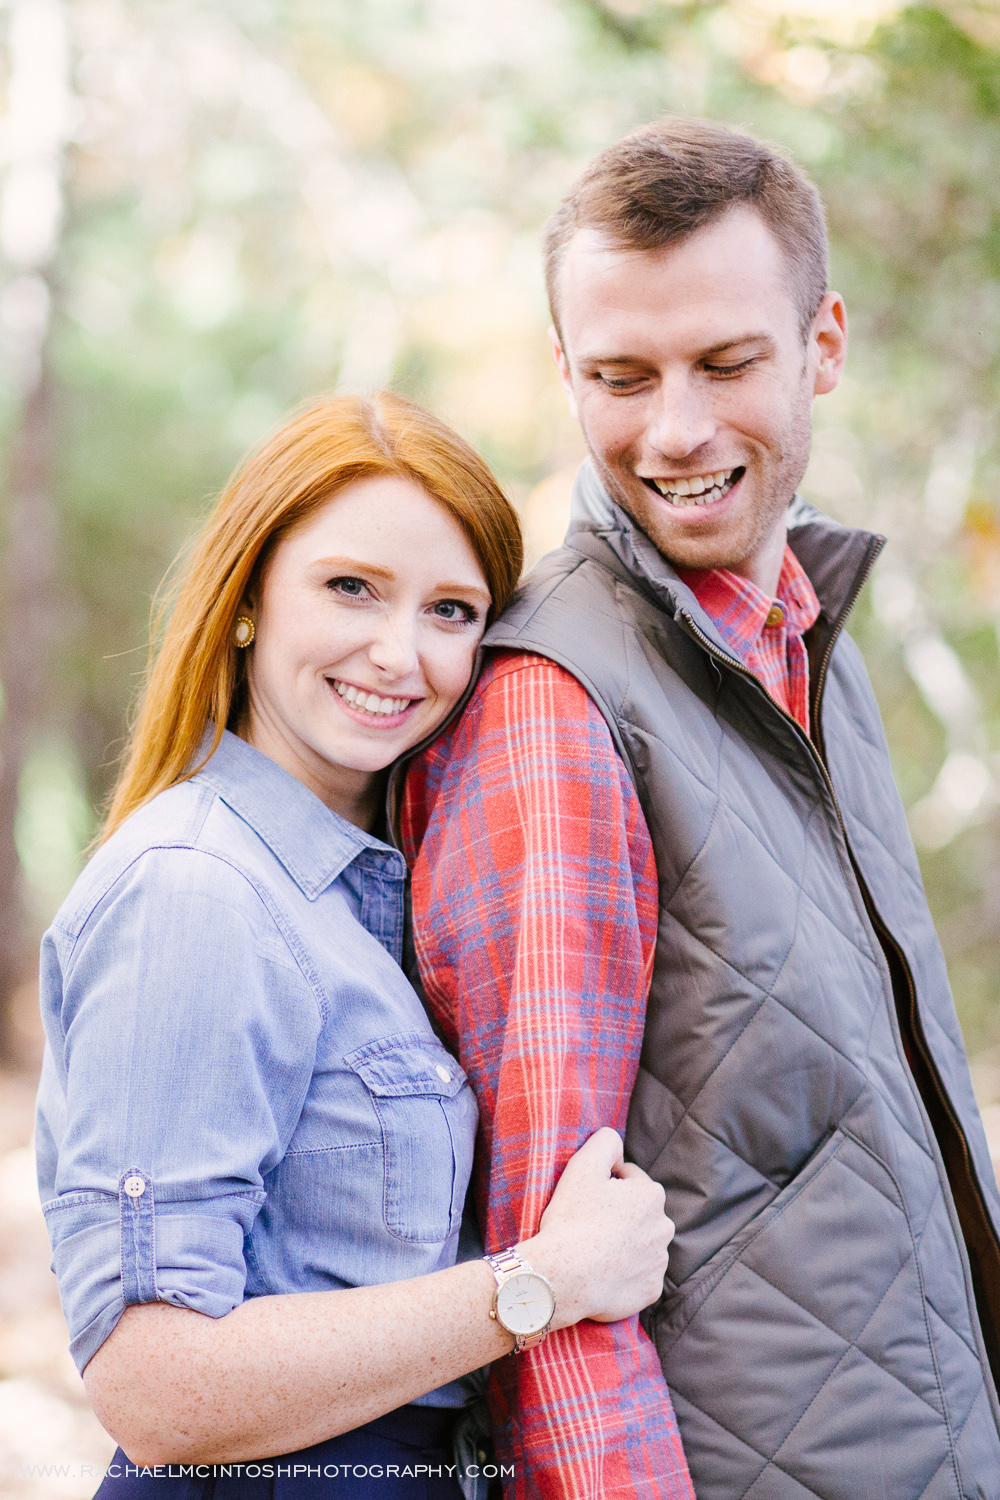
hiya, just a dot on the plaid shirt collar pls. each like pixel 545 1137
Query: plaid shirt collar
pixel 765 634
pixel 740 610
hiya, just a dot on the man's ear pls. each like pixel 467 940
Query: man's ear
pixel 562 365
pixel 829 343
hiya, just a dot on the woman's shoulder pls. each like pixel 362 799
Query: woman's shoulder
pixel 161 848
pixel 173 904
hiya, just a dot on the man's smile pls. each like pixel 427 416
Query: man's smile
pixel 697 489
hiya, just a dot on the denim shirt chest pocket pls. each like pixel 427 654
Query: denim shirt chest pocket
pixel 428 1116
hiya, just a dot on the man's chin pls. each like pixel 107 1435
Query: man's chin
pixel 733 538
pixel 703 543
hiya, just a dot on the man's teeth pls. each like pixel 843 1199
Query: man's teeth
pixel 371 702
pixel 701 490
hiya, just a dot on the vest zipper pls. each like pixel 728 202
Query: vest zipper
pixel 985 1278
pixel 742 671
pixel 886 938
pixel 871 910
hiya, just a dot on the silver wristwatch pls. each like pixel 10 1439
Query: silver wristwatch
pixel 524 1302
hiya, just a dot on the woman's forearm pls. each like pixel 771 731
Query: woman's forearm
pixel 281 1373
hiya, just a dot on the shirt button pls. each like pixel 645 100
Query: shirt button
pixel 442 1073
pixel 135 1187
pixel 775 615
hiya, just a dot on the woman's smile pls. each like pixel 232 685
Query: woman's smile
pixel 371 707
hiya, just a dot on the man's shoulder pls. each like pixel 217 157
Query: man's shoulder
pixel 528 717
pixel 568 580
pixel 522 689
pixel 521 700
pixel 529 668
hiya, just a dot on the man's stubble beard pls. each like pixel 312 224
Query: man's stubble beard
pixel 732 549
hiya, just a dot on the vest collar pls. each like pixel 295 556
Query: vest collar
pixel 836 558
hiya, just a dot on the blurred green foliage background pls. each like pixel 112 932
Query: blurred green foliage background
pixel 261 200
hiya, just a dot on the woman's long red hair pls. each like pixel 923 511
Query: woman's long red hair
pixel 198 676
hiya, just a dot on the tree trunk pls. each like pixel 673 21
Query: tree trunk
pixel 31 209
pixel 27 576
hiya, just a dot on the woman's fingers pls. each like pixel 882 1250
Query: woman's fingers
pixel 603 1152
pixel 629 1169
pixel 604 1237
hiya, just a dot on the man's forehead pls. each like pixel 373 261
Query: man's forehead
pixel 726 279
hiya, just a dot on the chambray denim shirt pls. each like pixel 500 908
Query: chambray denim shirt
pixel 241 1093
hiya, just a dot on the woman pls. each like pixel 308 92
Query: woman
pixel 244 1111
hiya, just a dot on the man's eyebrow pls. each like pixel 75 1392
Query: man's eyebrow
pixel 766 339
pixel 611 359
pixel 627 360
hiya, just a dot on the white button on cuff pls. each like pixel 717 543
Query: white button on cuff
pixel 134 1186
pixel 442 1073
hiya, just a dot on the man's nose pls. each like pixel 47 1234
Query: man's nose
pixel 681 421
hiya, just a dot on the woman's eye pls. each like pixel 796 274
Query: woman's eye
pixel 455 609
pixel 354 588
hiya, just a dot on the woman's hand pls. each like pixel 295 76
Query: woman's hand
pixel 604 1238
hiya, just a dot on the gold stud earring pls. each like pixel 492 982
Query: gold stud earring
pixel 244 631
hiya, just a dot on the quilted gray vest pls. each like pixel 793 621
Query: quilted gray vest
pixel 833 1298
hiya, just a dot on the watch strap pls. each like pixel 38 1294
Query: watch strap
pixel 505 1265
pixel 524 1341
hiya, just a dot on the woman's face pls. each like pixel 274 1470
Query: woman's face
pixel 367 620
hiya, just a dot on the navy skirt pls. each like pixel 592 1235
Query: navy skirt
pixel 405 1455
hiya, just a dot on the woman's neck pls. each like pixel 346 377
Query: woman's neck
pixel 356 796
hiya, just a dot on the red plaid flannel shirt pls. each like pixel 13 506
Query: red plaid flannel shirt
pixel 535 913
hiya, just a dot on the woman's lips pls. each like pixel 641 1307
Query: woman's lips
pixel 386 711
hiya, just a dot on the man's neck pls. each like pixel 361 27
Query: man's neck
pixel 764 567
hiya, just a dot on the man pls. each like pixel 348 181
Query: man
pixel 671 699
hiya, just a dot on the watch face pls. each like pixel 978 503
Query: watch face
pixel 525 1303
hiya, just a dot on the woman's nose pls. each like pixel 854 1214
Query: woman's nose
pixel 394 648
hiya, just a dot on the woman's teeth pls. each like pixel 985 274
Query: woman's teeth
pixel 371 702
pixel 701 490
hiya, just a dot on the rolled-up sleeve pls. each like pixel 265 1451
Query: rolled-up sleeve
pixel 181 1037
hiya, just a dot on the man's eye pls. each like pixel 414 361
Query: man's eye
pixel 622 384
pixel 726 372
pixel 456 609
pixel 353 588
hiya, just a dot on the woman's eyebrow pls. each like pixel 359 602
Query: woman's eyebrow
pixel 352 565
pixel 462 588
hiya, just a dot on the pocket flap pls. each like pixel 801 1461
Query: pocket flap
pixel 408 1064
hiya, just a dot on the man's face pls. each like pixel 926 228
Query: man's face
pixel 687 371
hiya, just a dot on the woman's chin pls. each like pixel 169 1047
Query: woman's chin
pixel 371 751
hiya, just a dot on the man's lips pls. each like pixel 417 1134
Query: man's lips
pixel 695 489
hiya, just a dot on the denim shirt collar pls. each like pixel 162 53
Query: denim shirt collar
pixel 314 844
